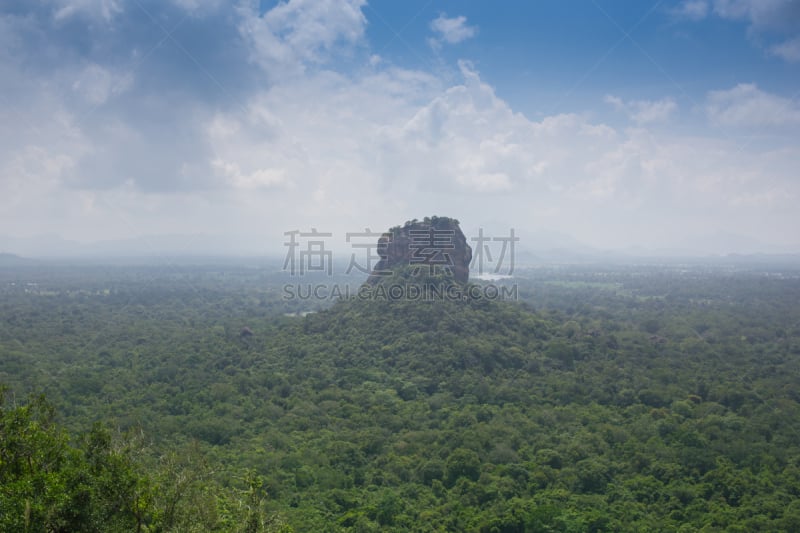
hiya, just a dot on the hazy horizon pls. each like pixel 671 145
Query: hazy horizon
pixel 531 249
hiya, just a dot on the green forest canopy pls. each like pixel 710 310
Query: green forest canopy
pixel 609 399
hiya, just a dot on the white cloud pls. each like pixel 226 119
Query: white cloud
pixel 788 50
pixel 103 9
pixel 764 199
pixel 770 22
pixel 198 6
pixel 692 9
pixel 39 147
pixel 776 15
pixel 394 144
pixel 107 10
pixel 746 105
pixel 468 140
pixel 291 35
pixel 644 111
pixel 452 30
pixel 96 84
pixel 735 9
pixel 258 178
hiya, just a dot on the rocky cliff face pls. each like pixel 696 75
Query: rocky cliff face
pixel 431 247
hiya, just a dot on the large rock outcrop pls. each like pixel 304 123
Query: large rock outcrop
pixel 434 246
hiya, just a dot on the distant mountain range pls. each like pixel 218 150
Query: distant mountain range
pixel 54 246
pixel 534 247
pixel 7 259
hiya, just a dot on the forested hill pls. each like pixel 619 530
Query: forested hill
pixel 423 341
pixel 644 401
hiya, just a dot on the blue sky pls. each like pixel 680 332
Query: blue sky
pixel 667 125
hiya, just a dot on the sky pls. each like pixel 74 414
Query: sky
pixel 217 126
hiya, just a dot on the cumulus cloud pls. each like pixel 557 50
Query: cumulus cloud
pixel 747 105
pixel 468 140
pixel 291 35
pixel 378 145
pixel 96 84
pixel 451 30
pixel 771 21
pixel 644 111
pixel 259 178
pixel 777 15
pixel 787 50
pixel 692 9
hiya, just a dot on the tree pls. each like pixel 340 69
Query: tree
pixel 47 485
